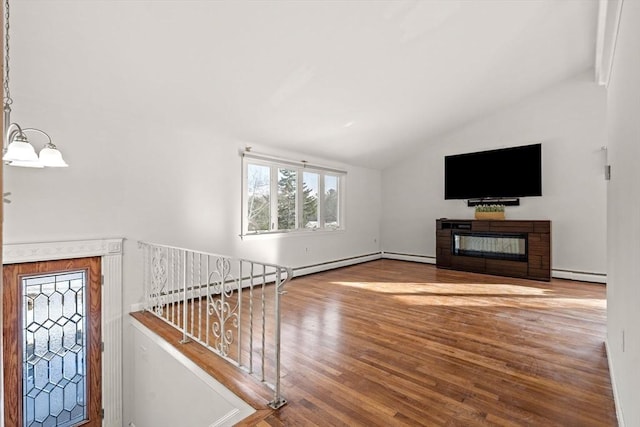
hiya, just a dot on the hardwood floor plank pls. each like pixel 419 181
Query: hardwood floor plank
pixel 394 343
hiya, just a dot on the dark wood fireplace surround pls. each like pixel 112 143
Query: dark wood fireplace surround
pixel 533 263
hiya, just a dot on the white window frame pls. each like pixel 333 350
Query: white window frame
pixel 300 167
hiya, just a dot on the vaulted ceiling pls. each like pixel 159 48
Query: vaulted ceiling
pixel 361 82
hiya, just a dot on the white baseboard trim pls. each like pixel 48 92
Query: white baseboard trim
pixel 581 276
pixel 616 399
pixel 425 259
pixel 316 268
pixel 139 306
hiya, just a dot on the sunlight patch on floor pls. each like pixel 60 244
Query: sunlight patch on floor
pixel 475 294
pixel 404 288
pixel 493 301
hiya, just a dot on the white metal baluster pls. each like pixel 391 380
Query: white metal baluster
pixel 171 304
pixel 162 289
pixel 164 302
pixel 192 297
pixel 251 320
pixel 149 278
pixel 199 297
pixel 177 286
pixel 239 298
pixel 145 286
pixel 162 283
pixel 223 298
pixel 207 297
pixel 173 287
pixel 167 312
pixel 264 321
pixel 184 298
pixel 278 401
pixel 145 277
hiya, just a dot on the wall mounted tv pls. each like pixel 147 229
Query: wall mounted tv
pixel 507 172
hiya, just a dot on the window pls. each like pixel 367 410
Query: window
pixel 282 196
pixel 310 217
pixel 287 187
pixel 258 179
pixel 330 206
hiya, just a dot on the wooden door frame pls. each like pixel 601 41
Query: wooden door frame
pixel 13 334
pixel 2 126
pixel 110 250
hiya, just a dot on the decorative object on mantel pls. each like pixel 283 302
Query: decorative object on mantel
pixel 490 212
pixel 17 150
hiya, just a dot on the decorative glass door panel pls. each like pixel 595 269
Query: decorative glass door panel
pixel 54 349
pixel 51 340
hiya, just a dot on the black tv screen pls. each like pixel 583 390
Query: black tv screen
pixel 507 172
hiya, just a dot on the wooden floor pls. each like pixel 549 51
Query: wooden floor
pixel 396 343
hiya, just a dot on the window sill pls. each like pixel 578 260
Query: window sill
pixel 291 233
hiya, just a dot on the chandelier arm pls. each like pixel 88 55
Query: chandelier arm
pixel 11 132
pixel 50 143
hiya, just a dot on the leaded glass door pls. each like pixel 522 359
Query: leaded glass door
pixel 55 370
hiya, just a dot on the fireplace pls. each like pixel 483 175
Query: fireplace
pixel 510 246
pixel 516 248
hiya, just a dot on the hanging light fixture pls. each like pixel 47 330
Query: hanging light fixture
pixel 17 150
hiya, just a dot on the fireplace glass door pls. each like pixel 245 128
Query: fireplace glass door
pixel 490 245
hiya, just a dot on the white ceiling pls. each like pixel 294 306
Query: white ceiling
pixel 361 82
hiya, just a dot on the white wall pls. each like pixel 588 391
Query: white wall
pixel 623 243
pixel 183 390
pixel 569 120
pixel 83 201
pixel 190 196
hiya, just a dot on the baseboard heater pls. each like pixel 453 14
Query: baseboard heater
pixel 425 259
pixel 583 276
pixel 330 265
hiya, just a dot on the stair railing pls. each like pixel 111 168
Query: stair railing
pixel 229 305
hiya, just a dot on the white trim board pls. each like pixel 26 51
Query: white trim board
pixel 609 13
pixel 330 265
pixel 425 259
pixel 614 387
pixel 581 276
pixel 48 251
pixel 110 250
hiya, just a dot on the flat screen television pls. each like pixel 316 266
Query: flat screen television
pixel 507 172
